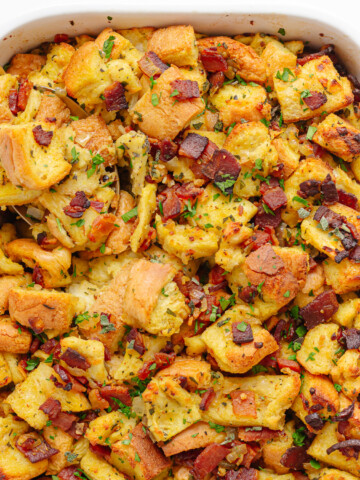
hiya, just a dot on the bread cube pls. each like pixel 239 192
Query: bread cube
pixel 324 440
pixel 146 209
pixel 63 442
pixel 275 448
pixel 287 147
pixel 139 37
pixel 29 395
pixel 12 338
pixel 175 45
pixel 7 83
pixel 96 468
pixel 242 58
pixel 167 118
pixel 12 195
pixel 235 358
pixel 324 389
pixel 332 474
pixel 6 284
pixel 42 310
pixel 348 313
pixel 119 239
pixel 186 242
pixel 268 475
pixel 109 428
pixel 276 56
pixel 339 137
pixel 52 107
pixel 343 277
pixel 7 266
pixel 197 372
pixel 237 103
pixel 273 394
pixel 318 77
pixel 24 63
pixel 170 409
pixel 318 350
pixel 346 373
pixel 28 164
pixel 58 58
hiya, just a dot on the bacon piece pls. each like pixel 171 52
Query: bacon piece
pixel 213 61
pixel 271 183
pixel 328 189
pixel 345 414
pixel 257 240
pixel 348 199
pixel 172 206
pixel 67 378
pixel 151 65
pixel 188 191
pixel 37 276
pixel 51 407
pixel 115 97
pixel 207 398
pixel 168 150
pixel 244 404
pixel 315 421
pixel 193 146
pixel 161 360
pixel 275 198
pixel 101 227
pixel 248 294
pixel 355 254
pixel 64 421
pixel 216 80
pixel 74 359
pixel 80 200
pixel 309 188
pixel 209 459
pixel 319 310
pixel 216 275
pixel 68 473
pixel 295 457
pixel 13 101
pixel 242 336
pixel 325 50
pixel 265 260
pixel 61 38
pixel 35 451
pixel 186 89
pixel 223 169
pixel 101 450
pixel 98 206
pixel 292 364
pixel 263 219
pixel 262 435
pixel 136 338
pixel 242 474
pixel 349 448
pixel 352 338
pixel 49 345
pixel 119 392
pixel 339 257
pixel 23 94
pixel 42 137
pixel 315 100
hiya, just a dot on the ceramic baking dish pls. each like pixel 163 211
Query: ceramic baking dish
pixel 29 23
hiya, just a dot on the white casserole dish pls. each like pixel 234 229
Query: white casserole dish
pixel 27 24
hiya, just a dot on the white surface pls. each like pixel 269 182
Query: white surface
pixel 26 23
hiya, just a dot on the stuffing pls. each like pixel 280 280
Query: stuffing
pixel 52 110
pixel 7 283
pixel 139 37
pixel 96 468
pixel 12 338
pixel 24 63
pixel 343 277
pixel 63 442
pixel 119 239
pixel 146 209
pixel 346 373
pixel 275 448
pixel 276 56
pixel 8 83
pixel 109 428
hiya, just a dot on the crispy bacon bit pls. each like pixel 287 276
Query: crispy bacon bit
pixel 292 364
pixel 151 65
pixel 96 205
pixel 319 310
pixel 344 414
pixel 242 474
pixel 348 199
pixel 328 189
pixel 355 254
pixel 314 421
pixel 135 338
pixel 185 89
pixel 262 435
pixel 49 346
pixel 64 421
pixel 248 294
pixel 263 219
pixel 37 324
pixel 224 169
pixel 168 150
pixel 217 275
pixel 76 383
pixel 216 80
pixel 275 198
pixel 315 100
pixel 13 101
pixel 101 227
pixel 349 448
pixel 352 338
pixel 325 50
pixel 35 344
pixel 61 37
pixel 257 240
pixel 295 457
pixel 193 146
pixel 265 260
pixel 207 398
pixel 37 276
pixel 161 360
pixel 68 473
pixel 268 185
pixel 101 450
pixel 33 450
pixel 78 205
pixel 115 97
pixel 339 257
pixel 244 404
pixel 119 392
pixel 242 333
pixel 172 205
pixel 24 93
pixel 42 137
pixel 213 61
pixel 188 191
pixel 309 188
pixel 51 407
pixel 209 459
pixel 74 359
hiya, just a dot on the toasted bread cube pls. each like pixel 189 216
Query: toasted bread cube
pixel 267 475
pixel 275 448
pixel 140 458
pixel 13 464
pixel 348 313
pixel 324 440
pixel 92 133
pixel 54 264
pixel 166 119
pixel 258 41
pixel 146 209
pixel 235 358
pixel 94 352
pixel 29 395
pixel 339 137
pixel 198 435
pixel 24 63
pixel 12 338
pixel 52 110
pixel 6 284
pixel 12 195
pixel 86 75
pixel 139 37
pixel 5 372
pixel 175 45
pixel 288 155
pixel 197 372
pixel 251 141
pixel 170 409
pixel 97 468
pixel 186 242
pixel 7 83
pixel 119 239
pixel 273 395
pixel 242 57
pixel 318 350
pixel 346 373
pixel 28 164
pixel 276 56
pixel 120 71
pixel 63 442
pixel 237 103
pixel 317 76
pixel 58 58
pixel 42 309
pixel 343 277
pixel 324 389
pixel 332 474
pixel 7 266
pixel 109 428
